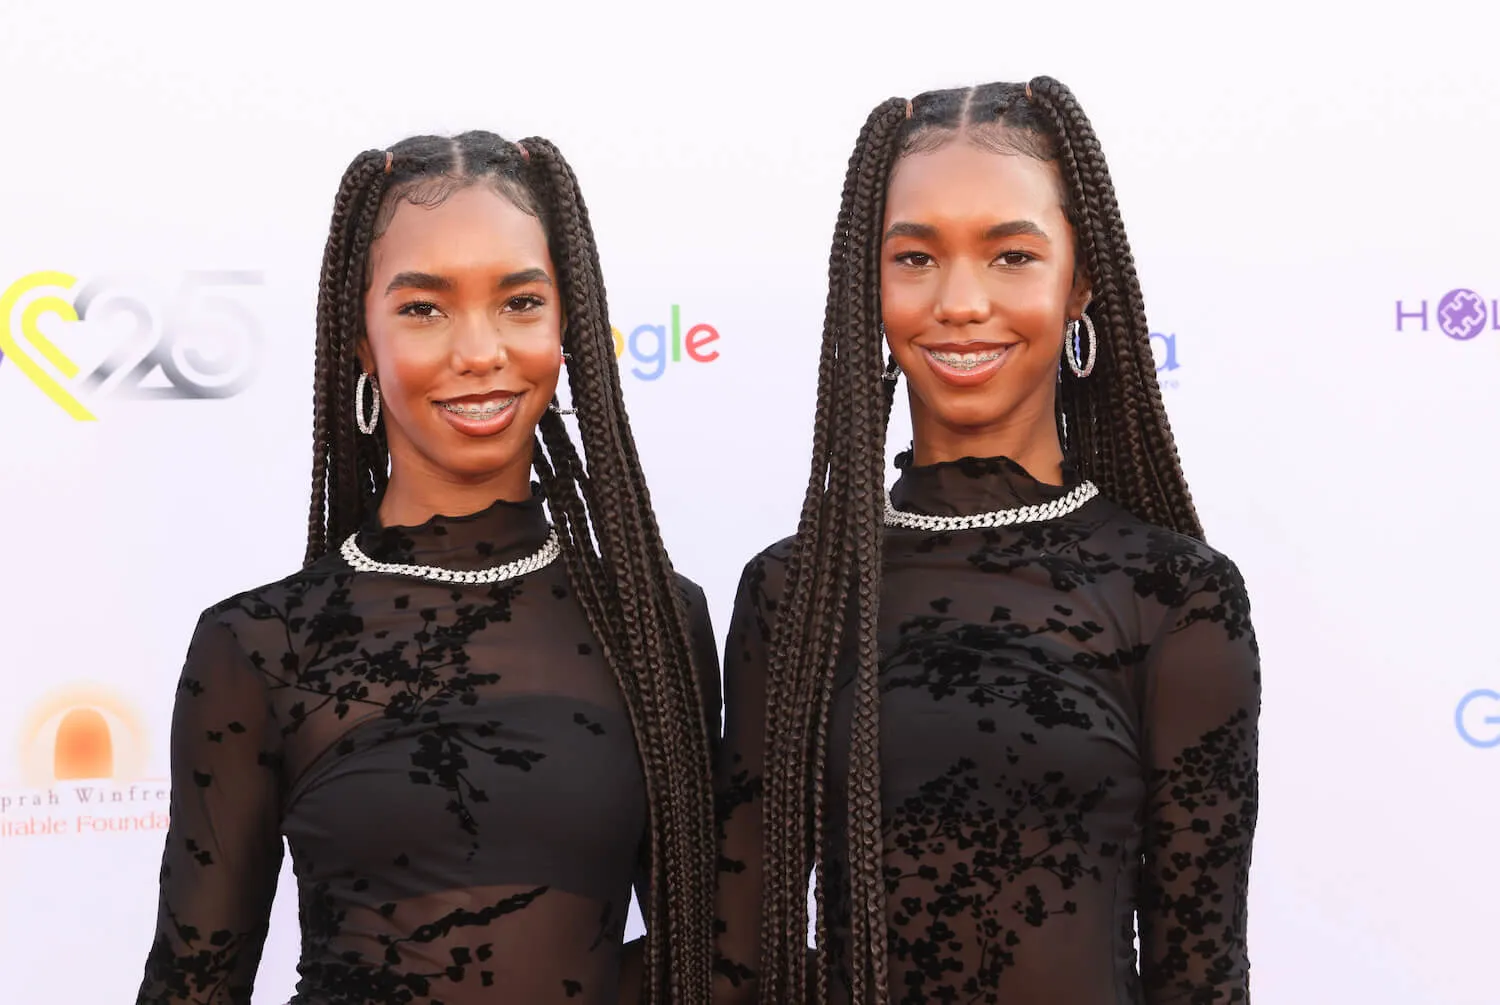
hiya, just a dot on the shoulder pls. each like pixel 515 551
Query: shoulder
pixel 764 576
pixel 250 614
pixel 691 593
pixel 1190 585
pixel 1166 566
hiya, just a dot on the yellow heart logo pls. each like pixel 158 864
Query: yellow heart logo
pixel 13 350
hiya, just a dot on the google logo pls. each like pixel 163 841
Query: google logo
pixel 652 347
pixel 1478 718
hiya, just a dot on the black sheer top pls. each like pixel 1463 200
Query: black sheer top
pixel 452 767
pixel 1068 737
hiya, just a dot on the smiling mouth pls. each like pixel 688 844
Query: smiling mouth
pixel 967 360
pixel 487 408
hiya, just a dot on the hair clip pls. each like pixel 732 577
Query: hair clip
pixel 388 159
pixel 908 108
pixel 525 154
pixel 1028 90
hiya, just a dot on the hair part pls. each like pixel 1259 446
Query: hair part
pixel 1113 427
pixel 612 546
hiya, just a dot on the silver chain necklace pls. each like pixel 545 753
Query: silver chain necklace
pixel 1061 506
pixel 361 562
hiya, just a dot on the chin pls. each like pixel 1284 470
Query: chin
pixel 479 469
pixel 475 460
pixel 969 416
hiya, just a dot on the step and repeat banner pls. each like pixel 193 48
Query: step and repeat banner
pixel 1313 209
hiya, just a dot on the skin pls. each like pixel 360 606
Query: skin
pixel 978 256
pixel 462 306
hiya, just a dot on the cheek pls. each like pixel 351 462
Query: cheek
pixel 538 362
pixel 405 365
pixel 1038 310
pixel 905 302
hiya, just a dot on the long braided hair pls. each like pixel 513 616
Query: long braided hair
pixel 1113 427
pixel 602 512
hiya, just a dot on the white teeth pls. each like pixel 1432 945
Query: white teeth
pixel 966 360
pixel 488 410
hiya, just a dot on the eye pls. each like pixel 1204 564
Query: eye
pixel 915 259
pixel 1014 259
pixel 525 303
pixel 418 309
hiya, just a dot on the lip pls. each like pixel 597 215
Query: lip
pixel 472 425
pixel 971 377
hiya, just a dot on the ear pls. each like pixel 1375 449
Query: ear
pixel 1079 296
pixel 366 357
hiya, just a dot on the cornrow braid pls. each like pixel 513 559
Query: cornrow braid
pixel 612 546
pixel 1114 429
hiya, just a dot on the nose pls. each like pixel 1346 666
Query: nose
pixel 477 345
pixel 962 297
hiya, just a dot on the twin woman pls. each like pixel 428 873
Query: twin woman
pixel 1004 717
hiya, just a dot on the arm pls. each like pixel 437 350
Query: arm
pixel 223 848
pixel 705 655
pixel 738 788
pixel 1201 712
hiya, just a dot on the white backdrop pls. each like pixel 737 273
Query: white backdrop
pixel 1298 183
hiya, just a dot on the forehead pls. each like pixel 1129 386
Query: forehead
pixel 474 225
pixel 960 182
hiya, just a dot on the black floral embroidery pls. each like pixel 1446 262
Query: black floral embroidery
pixel 452 767
pixel 1068 752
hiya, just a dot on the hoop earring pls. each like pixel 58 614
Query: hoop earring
pixel 1070 348
pixel 892 372
pixel 366 427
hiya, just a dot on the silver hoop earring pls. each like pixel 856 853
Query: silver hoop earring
pixel 566 357
pixel 366 427
pixel 892 372
pixel 1071 350
pixel 555 410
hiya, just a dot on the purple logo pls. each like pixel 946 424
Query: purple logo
pixel 1461 315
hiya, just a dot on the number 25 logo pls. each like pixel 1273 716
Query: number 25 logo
pixel 172 341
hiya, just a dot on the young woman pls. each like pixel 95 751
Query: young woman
pixel 1022 689
pixel 473 749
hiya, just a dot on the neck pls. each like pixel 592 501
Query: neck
pixel 417 493
pixel 1027 436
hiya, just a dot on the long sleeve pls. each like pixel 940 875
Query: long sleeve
pixel 1201 712
pixel 738 787
pixel 223 848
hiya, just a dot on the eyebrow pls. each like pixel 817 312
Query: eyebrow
pixel 926 232
pixel 441 284
pixel 523 277
pixel 1014 228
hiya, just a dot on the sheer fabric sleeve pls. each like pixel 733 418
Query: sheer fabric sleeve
pixel 738 780
pixel 223 847
pixel 1201 714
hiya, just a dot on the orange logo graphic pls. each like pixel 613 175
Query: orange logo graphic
pixel 83 754
pixel 83 732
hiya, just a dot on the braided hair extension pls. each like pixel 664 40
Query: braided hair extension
pixel 1115 431
pixel 825 565
pixel 602 512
